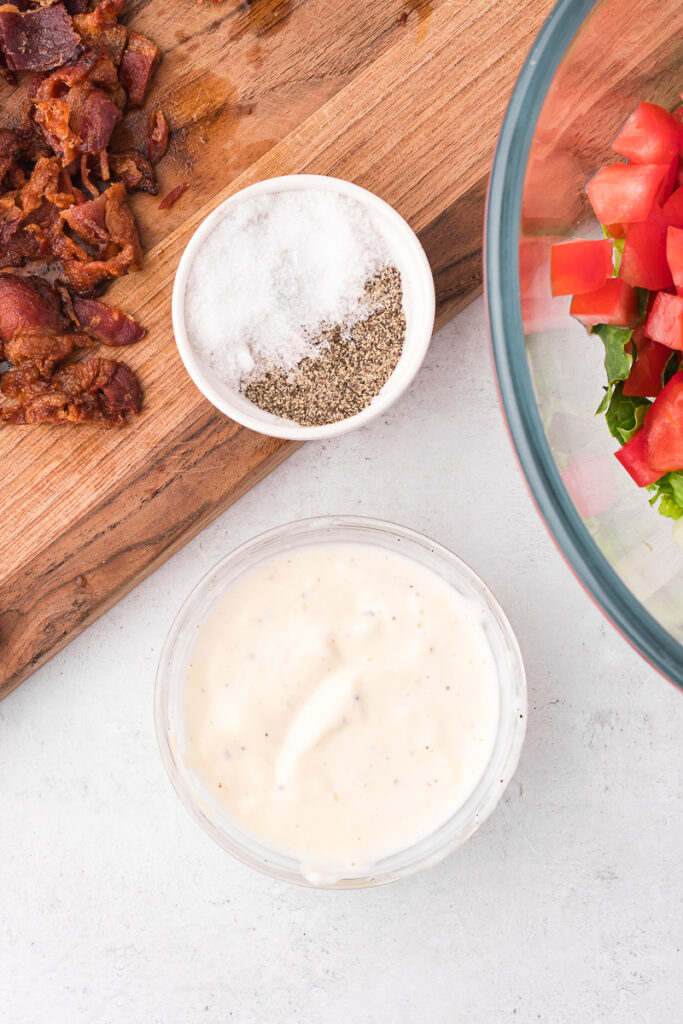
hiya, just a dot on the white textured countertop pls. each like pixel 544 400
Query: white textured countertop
pixel 566 906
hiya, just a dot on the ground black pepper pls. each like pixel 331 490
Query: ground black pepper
pixel 353 366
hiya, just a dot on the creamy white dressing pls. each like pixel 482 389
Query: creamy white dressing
pixel 341 703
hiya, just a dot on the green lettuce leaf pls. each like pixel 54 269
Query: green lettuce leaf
pixel 618 361
pixel 669 493
pixel 625 413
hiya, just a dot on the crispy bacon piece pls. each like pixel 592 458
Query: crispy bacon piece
pixel 27 304
pixel 43 349
pixel 78 106
pixel 171 197
pixel 134 170
pixel 95 391
pixel 101 28
pixel 11 174
pixel 93 66
pixel 157 136
pixel 138 64
pixel 29 218
pixel 52 117
pixel 94 120
pixel 50 183
pixel 36 40
pixel 107 324
pixel 106 225
pixel 76 6
pixel 105 221
pixel 32 326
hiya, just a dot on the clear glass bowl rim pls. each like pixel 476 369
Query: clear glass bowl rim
pixel 501 275
pixel 504 757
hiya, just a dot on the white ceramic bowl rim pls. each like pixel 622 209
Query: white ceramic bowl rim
pixel 406 249
pixel 177 648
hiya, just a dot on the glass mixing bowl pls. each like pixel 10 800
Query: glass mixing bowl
pixel 589 67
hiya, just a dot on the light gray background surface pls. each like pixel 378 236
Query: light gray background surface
pixel 565 907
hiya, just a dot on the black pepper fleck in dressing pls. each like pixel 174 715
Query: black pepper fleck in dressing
pixel 351 370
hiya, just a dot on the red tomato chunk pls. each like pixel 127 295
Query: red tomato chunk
pixel 580 266
pixel 663 428
pixel 665 322
pixel 672 211
pixel 674 256
pixel 634 458
pixel 645 378
pixel 615 302
pixel 643 262
pixel 625 192
pixel 650 136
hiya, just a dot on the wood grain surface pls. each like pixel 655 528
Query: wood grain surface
pixel 409 108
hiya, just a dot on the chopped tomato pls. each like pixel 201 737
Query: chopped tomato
pixel 674 255
pixel 669 183
pixel 580 266
pixel 639 338
pixel 672 211
pixel 643 262
pixel 617 230
pixel 625 192
pixel 634 458
pixel 650 136
pixel 615 302
pixel 665 322
pixel 645 378
pixel 678 114
pixel 663 428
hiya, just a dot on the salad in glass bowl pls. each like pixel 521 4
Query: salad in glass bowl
pixel 595 63
pixel 627 288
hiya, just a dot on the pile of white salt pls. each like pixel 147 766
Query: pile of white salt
pixel 276 271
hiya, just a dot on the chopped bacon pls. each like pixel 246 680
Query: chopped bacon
pixel 29 218
pixel 48 183
pixel 134 170
pixel 107 324
pixel 138 64
pixel 100 28
pixel 65 230
pixel 86 179
pixel 94 121
pixel 26 304
pixel 93 66
pixel 52 117
pixel 106 224
pixel 17 243
pixel 95 391
pixel 11 174
pixel 78 106
pixel 31 324
pixel 157 136
pixel 36 40
pixel 171 197
pixel 89 219
pixel 43 349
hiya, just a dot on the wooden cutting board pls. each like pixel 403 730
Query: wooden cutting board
pixel 404 97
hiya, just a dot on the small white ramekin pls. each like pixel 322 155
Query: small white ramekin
pixel 418 304
pixel 172 681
